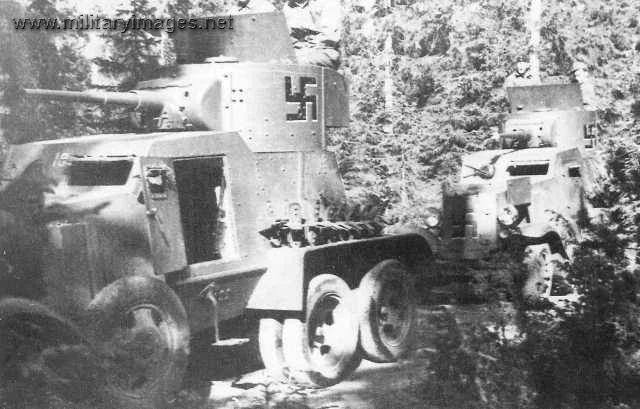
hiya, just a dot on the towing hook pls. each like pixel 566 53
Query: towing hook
pixel 208 293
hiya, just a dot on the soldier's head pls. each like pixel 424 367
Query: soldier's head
pixel 578 66
pixel 522 67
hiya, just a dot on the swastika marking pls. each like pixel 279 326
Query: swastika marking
pixel 304 101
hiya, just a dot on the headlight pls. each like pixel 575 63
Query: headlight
pixel 433 220
pixel 508 215
pixel 487 171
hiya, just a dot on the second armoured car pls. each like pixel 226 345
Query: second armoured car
pixel 527 194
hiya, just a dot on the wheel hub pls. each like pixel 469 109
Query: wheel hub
pixel 139 349
pixel 393 314
pixel 326 325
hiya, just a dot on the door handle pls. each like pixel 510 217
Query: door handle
pixel 153 212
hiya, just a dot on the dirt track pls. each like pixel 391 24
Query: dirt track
pixel 385 386
pixel 234 379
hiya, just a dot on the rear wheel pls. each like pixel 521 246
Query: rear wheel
pixel 140 330
pixel 322 350
pixel 387 311
pixel 270 344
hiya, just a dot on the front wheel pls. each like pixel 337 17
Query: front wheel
pixel 537 288
pixel 323 349
pixel 139 327
pixel 546 283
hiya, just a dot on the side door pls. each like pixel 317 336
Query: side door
pixel 570 184
pixel 163 214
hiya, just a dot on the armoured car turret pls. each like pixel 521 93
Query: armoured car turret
pixel 133 242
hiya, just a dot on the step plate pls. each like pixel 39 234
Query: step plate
pixel 231 342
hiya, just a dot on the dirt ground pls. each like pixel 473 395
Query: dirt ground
pixel 385 386
pixel 235 379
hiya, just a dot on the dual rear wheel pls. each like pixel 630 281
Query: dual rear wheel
pixel 387 312
pixel 342 326
pixel 322 350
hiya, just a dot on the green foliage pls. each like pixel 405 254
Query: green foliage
pixel 448 64
pixel 478 364
pixel 447 67
pixel 197 8
pixel 134 53
pixel 586 358
pixel 180 8
pixel 586 355
pixel 579 355
pixel 39 59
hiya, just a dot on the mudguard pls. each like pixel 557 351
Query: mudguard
pixel 433 240
pixel 283 286
pixel 554 232
pixel 280 287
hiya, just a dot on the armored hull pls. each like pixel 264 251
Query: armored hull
pixel 229 208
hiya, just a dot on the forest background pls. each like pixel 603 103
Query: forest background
pixel 446 67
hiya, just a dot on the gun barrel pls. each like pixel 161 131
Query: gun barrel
pixel 138 99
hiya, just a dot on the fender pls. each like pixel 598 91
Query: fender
pixel 553 232
pixel 283 286
pixel 551 238
pixel 433 240
pixel 280 287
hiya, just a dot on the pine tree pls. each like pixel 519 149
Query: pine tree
pixel 447 67
pixel 15 70
pixel 180 8
pixel 39 59
pixel 134 53
pixel 206 8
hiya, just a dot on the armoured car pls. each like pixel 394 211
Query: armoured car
pixel 527 194
pixel 119 248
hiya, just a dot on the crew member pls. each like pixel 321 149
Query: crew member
pixel 580 75
pixel 315 31
pixel 522 76
pixel 314 25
